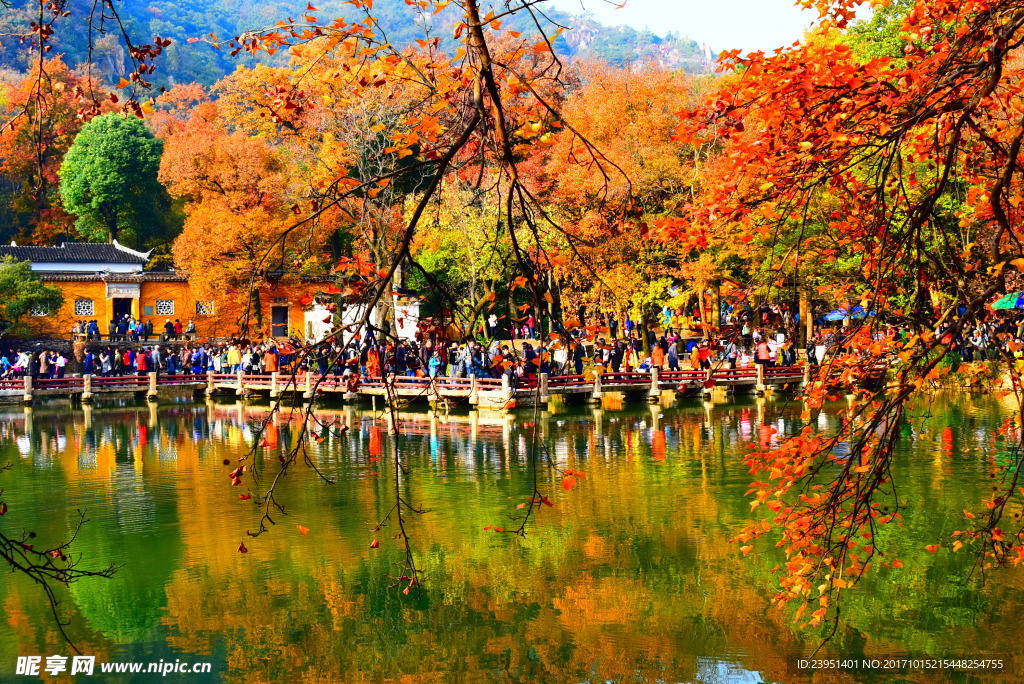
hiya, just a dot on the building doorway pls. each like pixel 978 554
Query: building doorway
pixel 122 307
pixel 279 321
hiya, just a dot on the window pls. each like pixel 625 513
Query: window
pixel 204 308
pixel 165 307
pixel 40 312
pixel 85 307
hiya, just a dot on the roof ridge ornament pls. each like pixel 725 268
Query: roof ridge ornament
pixel 141 255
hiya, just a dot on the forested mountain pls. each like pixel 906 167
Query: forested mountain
pixel 185 63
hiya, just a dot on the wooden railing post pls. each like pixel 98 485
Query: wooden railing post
pixel 27 396
pixel 542 387
pixel 152 393
pixel 86 388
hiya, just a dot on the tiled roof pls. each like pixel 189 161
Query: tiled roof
pixel 75 252
pixel 143 277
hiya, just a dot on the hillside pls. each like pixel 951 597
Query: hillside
pixel 186 62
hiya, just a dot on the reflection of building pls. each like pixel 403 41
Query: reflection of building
pixel 103 281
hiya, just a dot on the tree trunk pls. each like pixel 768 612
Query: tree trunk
pixel 806 328
pixel 716 305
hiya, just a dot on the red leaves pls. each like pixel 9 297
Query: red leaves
pixel 306 300
pixel 568 483
pixel 3 507
pixel 302 530
pixel 236 475
pixel 245 497
pixel 375 544
pixel 242 549
pixel 492 527
pixel 932 548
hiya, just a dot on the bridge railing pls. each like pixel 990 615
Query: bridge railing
pixel 624 378
pixel 12 384
pixel 117 381
pixel 69 384
pixel 569 381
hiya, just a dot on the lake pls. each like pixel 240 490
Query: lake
pixel 628 577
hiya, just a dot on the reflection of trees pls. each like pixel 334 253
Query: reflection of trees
pixel 630 575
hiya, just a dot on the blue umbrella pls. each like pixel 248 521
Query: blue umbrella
pixel 841 314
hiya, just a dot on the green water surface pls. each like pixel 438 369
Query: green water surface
pixel 629 577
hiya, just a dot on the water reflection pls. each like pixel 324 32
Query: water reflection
pixel 629 577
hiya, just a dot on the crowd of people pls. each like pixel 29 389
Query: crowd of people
pixel 619 348
pixel 127 328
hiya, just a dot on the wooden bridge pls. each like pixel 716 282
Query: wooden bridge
pixel 483 392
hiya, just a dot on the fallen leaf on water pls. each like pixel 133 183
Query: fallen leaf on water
pixel 302 530
pixel 242 549
pixel 245 497
pixel 932 548
pixel 374 544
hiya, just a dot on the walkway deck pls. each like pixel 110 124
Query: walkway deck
pixel 483 392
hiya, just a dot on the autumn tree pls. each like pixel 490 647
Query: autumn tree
pixel 237 198
pixel 630 116
pixel 893 146
pixel 32 148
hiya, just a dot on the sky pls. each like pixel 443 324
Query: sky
pixel 744 24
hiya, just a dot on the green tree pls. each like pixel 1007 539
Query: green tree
pixel 21 291
pixel 109 181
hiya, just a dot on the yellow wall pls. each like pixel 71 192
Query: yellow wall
pixel 223 323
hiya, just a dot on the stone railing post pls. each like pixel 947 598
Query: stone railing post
pixel 211 387
pixel 474 391
pixel 274 390
pixel 542 386
pixel 27 395
pixel 654 393
pixel 151 394
pixel 760 387
pixel 307 393
pixel 87 388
